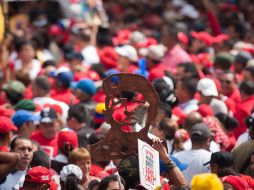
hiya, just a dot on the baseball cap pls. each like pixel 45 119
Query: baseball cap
pixel 48 115
pixel 86 86
pixel 22 116
pixel 128 51
pixel 200 131
pixel 70 169
pixel 67 135
pixel 222 159
pixel 15 87
pixel 6 125
pixel 25 104
pixel 42 175
pixel 206 181
pixel 207 87
pixel 155 52
pixel 243 57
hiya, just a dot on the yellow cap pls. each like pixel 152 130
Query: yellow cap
pixel 206 181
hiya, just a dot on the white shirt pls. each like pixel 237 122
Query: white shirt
pixel 189 106
pixel 14 181
pixel 41 101
pixel 242 138
pixel 195 159
pixel 34 71
pixel 90 55
pixel 214 147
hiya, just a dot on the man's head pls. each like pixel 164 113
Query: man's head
pixel 186 89
pixel 127 56
pixel 85 89
pixel 201 136
pixel 186 70
pixel 110 183
pixel 228 83
pixel 40 158
pixel 192 119
pixel 219 161
pixel 40 86
pixel 248 73
pixel 24 120
pixel 23 146
pixel 241 60
pixel 39 178
pixel 207 89
pixel 49 123
pixel 222 62
pixel 14 91
pixel 246 89
pixel 77 116
pixel 169 36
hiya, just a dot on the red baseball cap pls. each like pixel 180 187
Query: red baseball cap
pixel 69 136
pixel 42 175
pixel 6 125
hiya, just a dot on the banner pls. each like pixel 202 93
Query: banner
pixel 149 169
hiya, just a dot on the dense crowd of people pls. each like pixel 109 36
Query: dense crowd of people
pixel 198 56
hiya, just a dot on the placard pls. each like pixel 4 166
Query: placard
pixel 149 169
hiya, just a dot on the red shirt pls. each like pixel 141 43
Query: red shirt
pixel 48 145
pixel 242 112
pixel 65 96
pixel 235 96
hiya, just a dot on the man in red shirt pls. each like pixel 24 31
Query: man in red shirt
pixel 6 133
pixel 245 107
pixel 229 87
pixel 47 135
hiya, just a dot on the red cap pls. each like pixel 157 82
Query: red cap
pixel 6 125
pixel 6 112
pixel 68 136
pixel 42 175
pixel 108 57
pixel 55 30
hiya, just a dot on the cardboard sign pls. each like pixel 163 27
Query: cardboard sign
pixel 149 169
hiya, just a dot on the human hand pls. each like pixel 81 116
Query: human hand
pixel 157 144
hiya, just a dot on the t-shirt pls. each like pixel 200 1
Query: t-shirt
pixel 35 68
pixel 214 147
pixel 195 159
pixel 90 55
pixel 13 181
pixel 83 135
pixel 48 145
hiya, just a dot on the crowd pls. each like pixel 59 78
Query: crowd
pixel 199 57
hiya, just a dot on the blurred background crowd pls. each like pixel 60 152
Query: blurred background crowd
pixel 198 55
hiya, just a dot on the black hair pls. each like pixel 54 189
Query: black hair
pixel 40 158
pixel 67 148
pixel 78 112
pixel 72 182
pixel 42 83
pixel 227 171
pixel 4 135
pixel 190 85
pixel 22 43
pixel 166 108
pixel 247 87
pixel 14 98
pixel 41 40
pixel 169 130
pixel 49 63
pixel 14 140
pixel 228 122
pixel 250 120
pixel 189 67
pixel 106 180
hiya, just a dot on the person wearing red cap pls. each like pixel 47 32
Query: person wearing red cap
pixel 67 141
pixel 6 133
pixel 235 182
pixel 39 178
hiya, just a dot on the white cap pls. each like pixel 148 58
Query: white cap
pixel 70 169
pixel 155 52
pixel 128 51
pixel 207 87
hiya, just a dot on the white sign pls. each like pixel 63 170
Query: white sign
pixel 149 169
